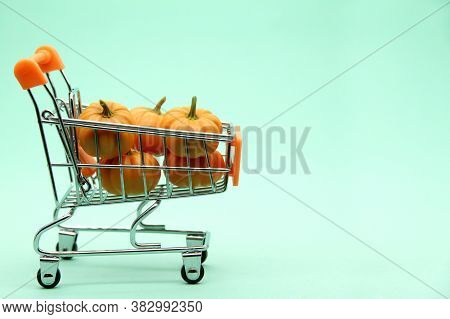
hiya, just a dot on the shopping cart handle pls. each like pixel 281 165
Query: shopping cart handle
pixel 237 143
pixel 48 59
pixel 30 72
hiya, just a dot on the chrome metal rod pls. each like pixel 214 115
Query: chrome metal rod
pixel 44 143
pixel 170 168
pixel 47 227
pixel 166 171
pixel 122 181
pixel 69 87
pixel 97 158
pixel 61 123
pixel 121 252
pixel 144 173
pixel 51 84
pixel 211 178
pixel 127 230
pixel 188 162
pixel 141 129
pixel 137 222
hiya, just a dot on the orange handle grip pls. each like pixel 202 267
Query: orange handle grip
pixel 30 72
pixel 237 143
pixel 48 59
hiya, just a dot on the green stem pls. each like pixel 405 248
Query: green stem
pixel 158 105
pixel 106 111
pixel 192 115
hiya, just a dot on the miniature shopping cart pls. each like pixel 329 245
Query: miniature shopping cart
pixel 62 117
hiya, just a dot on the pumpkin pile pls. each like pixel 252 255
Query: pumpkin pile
pixel 105 146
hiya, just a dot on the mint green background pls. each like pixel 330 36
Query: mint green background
pixel 378 148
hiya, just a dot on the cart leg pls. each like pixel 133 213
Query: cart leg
pixel 67 241
pixel 193 240
pixel 192 270
pixel 138 222
pixel 49 275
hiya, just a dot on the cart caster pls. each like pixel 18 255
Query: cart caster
pixel 46 284
pixel 204 256
pixel 48 276
pixel 192 274
pixel 192 270
pixel 74 248
pixel 67 242
pixel 193 240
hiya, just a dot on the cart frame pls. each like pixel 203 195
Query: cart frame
pixel 84 191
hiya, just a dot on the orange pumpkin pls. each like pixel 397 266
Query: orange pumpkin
pixel 181 178
pixel 190 119
pixel 111 112
pixel 144 116
pixel 86 159
pixel 132 177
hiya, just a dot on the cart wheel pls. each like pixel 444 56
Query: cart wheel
pixel 74 248
pixel 190 281
pixel 52 285
pixel 204 256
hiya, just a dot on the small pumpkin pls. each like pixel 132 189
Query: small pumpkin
pixel 144 116
pixel 181 178
pixel 111 112
pixel 85 158
pixel 132 177
pixel 195 120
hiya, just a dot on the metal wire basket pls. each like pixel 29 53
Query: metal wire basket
pixel 86 191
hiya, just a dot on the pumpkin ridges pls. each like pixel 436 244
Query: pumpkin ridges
pixel 104 177
pixel 109 177
pixel 138 113
pixel 133 183
pixel 182 118
pixel 151 117
pixel 122 116
pixel 196 147
pixel 181 178
pixel 107 140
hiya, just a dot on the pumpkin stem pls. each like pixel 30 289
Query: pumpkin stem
pixel 158 105
pixel 192 115
pixel 106 111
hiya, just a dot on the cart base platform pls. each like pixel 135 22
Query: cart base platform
pixel 194 254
